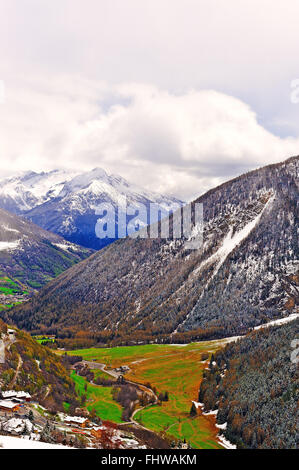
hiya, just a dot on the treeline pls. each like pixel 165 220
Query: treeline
pixel 71 339
pixel 255 386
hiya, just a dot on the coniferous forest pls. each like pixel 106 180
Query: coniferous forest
pixel 255 386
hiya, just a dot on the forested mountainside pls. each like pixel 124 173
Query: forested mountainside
pixel 66 202
pixel 33 368
pixel 138 289
pixel 255 387
pixel 30 256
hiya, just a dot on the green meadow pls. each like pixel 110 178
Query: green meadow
pixel 176 369
pixel 98 398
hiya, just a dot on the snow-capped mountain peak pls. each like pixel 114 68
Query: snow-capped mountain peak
pixel 65 201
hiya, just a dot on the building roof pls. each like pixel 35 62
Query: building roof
pixel 17 425
pixel 75 419
pixel 8 404
pixel 14 393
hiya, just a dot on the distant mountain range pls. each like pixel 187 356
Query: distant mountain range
pixel 154 289
pixel 65 202
pixel 31 256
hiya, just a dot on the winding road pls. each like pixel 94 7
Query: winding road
pixel 112 373
pixel 2 351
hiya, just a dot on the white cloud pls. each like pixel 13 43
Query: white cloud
pixel 109 83
pixel 181 144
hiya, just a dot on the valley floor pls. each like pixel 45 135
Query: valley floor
pixel 176 369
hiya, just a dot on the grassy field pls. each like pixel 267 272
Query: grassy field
pixel 98 398
pixel 41 339
pixel 8 286
pixel 176 369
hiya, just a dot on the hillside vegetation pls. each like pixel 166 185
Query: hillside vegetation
pixel 34 368
pixel 255 386
pixel 31 256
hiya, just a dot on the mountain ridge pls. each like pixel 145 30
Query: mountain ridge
pixel 30 256
pixel 66 202
pixel 246 273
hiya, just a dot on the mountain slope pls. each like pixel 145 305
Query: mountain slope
pixel 255 387
pixel 40 371
pixel 30 256
pixel 245 273
pixel 22 193
pixel 65 202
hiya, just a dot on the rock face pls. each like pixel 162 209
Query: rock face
pixel 66 203
pixel 245 273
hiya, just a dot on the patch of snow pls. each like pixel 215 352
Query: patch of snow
pixel 63 246
pixel 221 426
pixel 280 321
pixel 9 245
pixel 9 442
pixel 213 412
pixel 231 241
pixel 226 444
pixel 9 229
pixel 198 404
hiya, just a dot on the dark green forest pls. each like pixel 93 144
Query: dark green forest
pixel 255 386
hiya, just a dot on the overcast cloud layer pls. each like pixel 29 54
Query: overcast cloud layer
pixel 173 95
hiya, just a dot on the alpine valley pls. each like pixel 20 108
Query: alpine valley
pixel 30 257
pixel 246 273
pixel 216 324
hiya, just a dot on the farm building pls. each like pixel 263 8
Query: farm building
pixel 17 426
pixel 97 432
pixel 77 420
pixel 8 405
pixel 12 394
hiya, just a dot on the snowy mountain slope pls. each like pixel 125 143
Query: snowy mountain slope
pixel 66 203
pixel 22 193
pixel 30 256
pixel 246 273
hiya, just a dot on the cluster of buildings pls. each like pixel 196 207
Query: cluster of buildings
pixel 11 400
pixel 15 422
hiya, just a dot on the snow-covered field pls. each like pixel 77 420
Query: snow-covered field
pixel 8 442
pixel 9 245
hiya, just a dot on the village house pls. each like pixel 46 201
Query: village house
pixel 97 432
pixel 17 426
pixel 76 420
pixel 8 405
pixel 14 395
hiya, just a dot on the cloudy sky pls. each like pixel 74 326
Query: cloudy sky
pixel 174 95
